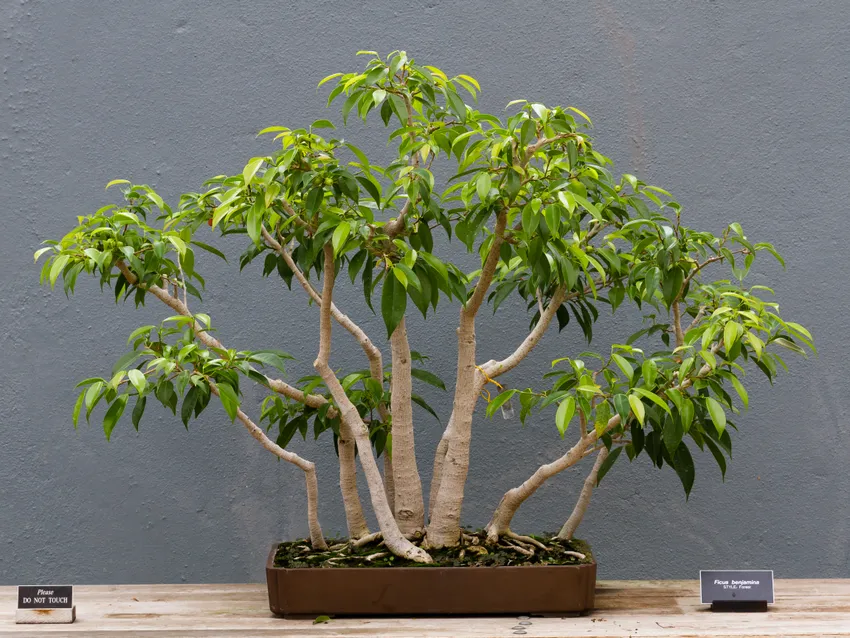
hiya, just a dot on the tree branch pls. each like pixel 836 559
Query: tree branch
pixel 500 523
pixel 496 368
pixel 277 385
pixel 580 508
pixel 317 539
pixel 393 538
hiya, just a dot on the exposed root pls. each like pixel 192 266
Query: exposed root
pixel 337 547
pixel 517 548
pixel 375 556
pixel 526 539
pixel 365 540
pixel 578 555
pixel 470 539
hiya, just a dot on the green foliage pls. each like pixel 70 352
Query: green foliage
pixel 573 229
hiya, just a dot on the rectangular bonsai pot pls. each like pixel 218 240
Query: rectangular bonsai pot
pixel 416 591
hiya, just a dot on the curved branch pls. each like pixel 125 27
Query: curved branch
pixel 373 353
pixel 317 539
pixel 496 368
pixel 277 385
pixel 580 508
pixel 393 538
pixel 513 498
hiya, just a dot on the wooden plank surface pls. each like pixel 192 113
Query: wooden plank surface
pixel 624 608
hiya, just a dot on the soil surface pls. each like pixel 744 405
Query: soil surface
pixel 475 552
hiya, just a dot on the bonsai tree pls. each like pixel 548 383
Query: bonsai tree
pixel 551 222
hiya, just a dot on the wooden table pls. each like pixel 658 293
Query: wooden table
pixel 624 608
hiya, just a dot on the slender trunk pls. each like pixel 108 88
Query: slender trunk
pixel 348 483
pixel 583 501
pixel 393 538
pixel 317 539
pixel 409 506
pixel 500 524
pixel 389 481
pixel 444 526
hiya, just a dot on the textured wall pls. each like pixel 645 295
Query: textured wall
pixel 739 108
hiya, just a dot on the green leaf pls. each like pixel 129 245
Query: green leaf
pixel 138 411
pixel 483 186
pixel 188 406
pixel 93 396
pixel 731 332
pixel 328 78
pixel 78 406
pixel 637 408
pixel 428 377
pixel 229 400
pixel 683 463
pixel 654 398
pixel 56 269
pixel 717 414
pixel 418 400
pixel 718 456
pixel 254 220
pixel 137 378
pixel 742 392
pixel 124 362
pixel 251 169
pixel 624 365
pixel 499 401
pixel 590 207
pixel 115 182
pixel 209 249
pixel 340 236
pixel 621 404
pixel 564 415
pixel 607 464
pixel 649 370
pixel 393 303
pixel 687 414
pixel 323 124
pixel 113 414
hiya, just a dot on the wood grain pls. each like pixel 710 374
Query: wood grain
pixel 624 608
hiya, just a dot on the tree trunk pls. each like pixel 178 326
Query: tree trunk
pixel 444 526
pixel 393 538
pixel 580 508
pixel 409 506
pixel 348 483
pixel 437 473
pixel 389 481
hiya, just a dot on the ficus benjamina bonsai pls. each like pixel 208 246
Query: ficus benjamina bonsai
pixel 550 221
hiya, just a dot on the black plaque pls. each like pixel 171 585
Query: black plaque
pixel 736 590
pixel 45 597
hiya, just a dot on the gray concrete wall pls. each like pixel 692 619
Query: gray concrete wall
pixel 739 108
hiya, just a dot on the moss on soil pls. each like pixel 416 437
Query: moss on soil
pixel 473 553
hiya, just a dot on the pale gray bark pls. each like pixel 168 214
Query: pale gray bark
pixel 583 501
pixel 409 506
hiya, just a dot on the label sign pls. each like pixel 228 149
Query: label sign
pixel 751 585
pixel 46 597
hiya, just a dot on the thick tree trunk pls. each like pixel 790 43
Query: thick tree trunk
pixel 409 506
pixel 354 518
pixel 444 526
pixel 393 538
pixel 583 501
